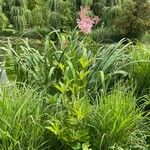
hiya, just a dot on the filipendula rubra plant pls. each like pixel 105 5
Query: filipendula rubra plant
pixel 86 22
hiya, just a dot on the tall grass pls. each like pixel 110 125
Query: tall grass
pixel 116 123
pixel 21 113
pixel 140 69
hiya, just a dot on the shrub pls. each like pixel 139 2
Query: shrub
pixel 8 32
pixel 146 38
pixel 3 20
pixel 134 20
pixel 111 122
pixel 66 122
pixel 35 33
pixel 37 17
pixel 105 35
pixel 59 14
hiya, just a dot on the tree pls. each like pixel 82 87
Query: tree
pixel 3 18
pixel 59 14
pixel 19 13
pixel 134 19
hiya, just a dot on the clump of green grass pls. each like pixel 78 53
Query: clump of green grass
pixel 117 123
pixel 21 113
pixel 139 70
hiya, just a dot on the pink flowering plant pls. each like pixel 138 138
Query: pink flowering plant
pixel 86 22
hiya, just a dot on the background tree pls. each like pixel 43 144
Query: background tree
pixel 19 13
pixel 59 14
pixel 3 18
pixel 134 19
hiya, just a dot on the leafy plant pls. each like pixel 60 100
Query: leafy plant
pixel 19 14
pixel 66 122
pixel 134 19
pixel 4 19
pixel 108 64
pixel 66 62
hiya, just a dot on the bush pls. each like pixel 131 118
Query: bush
pixel 71 107
pixel 3 20
pixel 35 33
pixel 66 122
pixel 8 32
pixel 105 35
pixel 68 56
pixel 134 20
pixel 113 121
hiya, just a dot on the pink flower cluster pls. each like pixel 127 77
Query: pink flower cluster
pixel 85 23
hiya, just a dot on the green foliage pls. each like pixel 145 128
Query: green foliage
pixel 8 32
pixel 59 14
pixel 146 38
pixel 3 18
pixel 105 35
pixel 66 122
pixel 123 19
pixel 109 14
pixel 86 2
pixel 140 68
pixel 3 21
pixel 37 17
pixel 31 4
pixel 21 118
pixel 35 33
pixel 19 14
pixel 66 60
pixel 71 107
pixel 134 20
pixel 116 123
pixel 113 121
pixel 107 65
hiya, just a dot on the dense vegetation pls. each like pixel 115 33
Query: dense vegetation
pixel 118 18
pixel 67 87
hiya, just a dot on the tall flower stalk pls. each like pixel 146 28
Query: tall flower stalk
pixel 85 21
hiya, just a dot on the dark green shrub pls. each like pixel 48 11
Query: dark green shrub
pixel 35 33
pixel 8 32
pixel 134 20
pixel 105 35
